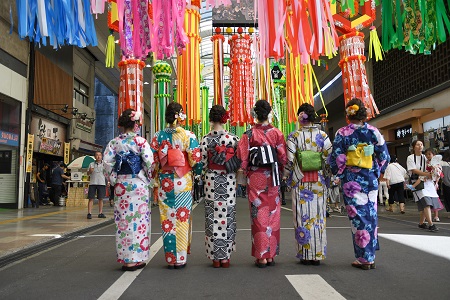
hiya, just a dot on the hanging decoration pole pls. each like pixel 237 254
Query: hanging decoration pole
pixel 131 86
pixel 218 39
pixel 188 65
pixel 162 71
pixel 241 98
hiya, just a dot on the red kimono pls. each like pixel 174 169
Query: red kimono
pixel 263 196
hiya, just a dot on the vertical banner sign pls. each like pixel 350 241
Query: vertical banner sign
pixel 66 153
pixel 29 161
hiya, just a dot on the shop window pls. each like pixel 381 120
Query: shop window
pixel 5 161
pixel 81 92
pixel 9 115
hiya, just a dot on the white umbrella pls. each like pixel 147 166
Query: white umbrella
pixel 81 162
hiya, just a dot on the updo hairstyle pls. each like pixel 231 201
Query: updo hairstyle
pixel 309 110
pixel 125 119
pixel 172 109
pixel 262 110
pixel 216 113
pixel 360 114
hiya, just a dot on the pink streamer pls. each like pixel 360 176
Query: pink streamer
pixel 136 49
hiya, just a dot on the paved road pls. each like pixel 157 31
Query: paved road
pixel 412 264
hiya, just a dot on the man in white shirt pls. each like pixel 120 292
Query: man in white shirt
pixel 97 185
pixel 395 176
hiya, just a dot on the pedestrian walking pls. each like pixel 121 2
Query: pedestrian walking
pixel 446 179
pixel 262 150
pixel 359 155
pixel 395 176
pixel 128 162
pixel 307 149
pixel 425 195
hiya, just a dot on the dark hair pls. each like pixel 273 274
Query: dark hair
pixel 262 109
pixel 413 144
pixel 361 114
pixel 216 113
pixel 430 150
pixel 62 165
pixel 309 110
pixel 125 119
pixel 446 156
pixel 46 165
pixel 172 109
pixel 393 158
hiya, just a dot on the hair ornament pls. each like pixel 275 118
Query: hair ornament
pixel 135 115
pixel 225 117
pixel 352 109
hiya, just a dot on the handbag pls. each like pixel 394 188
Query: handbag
pixel 360 156
pixel 175 158
pixel 309 160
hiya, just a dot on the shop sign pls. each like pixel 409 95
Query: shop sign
pixel 403 132
pixel 29 162
pixel 50 146
pixel 66 153
pixel 84 125
pixel 8 138
pixel 49 135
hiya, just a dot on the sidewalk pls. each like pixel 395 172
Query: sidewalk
pixel 28 227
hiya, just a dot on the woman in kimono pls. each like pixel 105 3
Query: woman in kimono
pixel 128 163
pixel 176 151
pixel 309 187
pixel 359 155
pixel 220 164
pixel 263 173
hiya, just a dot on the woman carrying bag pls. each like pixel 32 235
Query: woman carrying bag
pixel 309 193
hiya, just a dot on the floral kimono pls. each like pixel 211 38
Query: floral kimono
pixel 220 191
pixel 309 193
pixel 263 196
pixel 175 189
pixel 131 195
pixel 360 185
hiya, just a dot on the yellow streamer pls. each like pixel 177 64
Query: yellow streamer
pixel 374 42
pixel 110 51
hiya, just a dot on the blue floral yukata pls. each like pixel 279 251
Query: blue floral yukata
pixel 360 185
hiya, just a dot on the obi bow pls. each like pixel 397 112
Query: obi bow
pixel 128 163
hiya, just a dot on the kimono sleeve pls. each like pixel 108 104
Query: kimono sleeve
pixel 338 157
pixel 281 150
pixel 193 151
pixel 292 169
pixel 381 152
pixel 242 151
pixel 154 148
pixel 204 152
pixel 109 161
pixel 146 154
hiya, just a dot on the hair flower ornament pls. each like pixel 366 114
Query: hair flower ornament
pixel 303 118
pixel 135 115
pixel 352 109
pixel 225 117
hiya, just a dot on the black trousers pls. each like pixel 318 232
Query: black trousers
pixel 56 193
pixel 396 193
pixel 446 191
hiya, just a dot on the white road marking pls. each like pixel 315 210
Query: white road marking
pixel 56 236
pixel 433 244
pixel 116 290
pixel 313 287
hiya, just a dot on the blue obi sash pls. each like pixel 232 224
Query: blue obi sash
pixel 128 163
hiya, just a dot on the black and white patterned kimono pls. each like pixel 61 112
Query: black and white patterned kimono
pixel 220 194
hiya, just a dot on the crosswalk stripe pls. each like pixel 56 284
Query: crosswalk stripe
pixel 313 287
pixel 433 244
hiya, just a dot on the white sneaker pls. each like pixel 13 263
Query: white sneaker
pixel 436 220
pixel 338 210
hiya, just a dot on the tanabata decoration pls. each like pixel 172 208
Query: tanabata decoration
pixel 162 71
pixel 57 22
pixel 349 18
pixel 131 86
pixel 188 66
pixel 205 110
pixel 415 25
pixel 241 97
pixel 169 30
pixel 218 39
pixel 132 20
